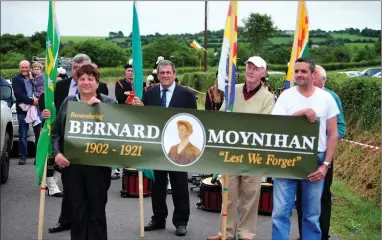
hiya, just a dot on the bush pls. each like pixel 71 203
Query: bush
pixel 360 96
pixel 9 73
pixel 361 100
pixel 201 81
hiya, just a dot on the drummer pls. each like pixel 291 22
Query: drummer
pixel 251 97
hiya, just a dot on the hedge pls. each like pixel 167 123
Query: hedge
pixel 105 72
pixel 118 71
pixel 360 96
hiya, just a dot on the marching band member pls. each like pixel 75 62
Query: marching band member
pixel 88 184
pixel 214 97
pixel 124 87
pixel 250 97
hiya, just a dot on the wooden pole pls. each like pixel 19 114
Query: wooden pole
pixel 42 203
pixel 225 207
pixel 140 178
pixel 205 36
pixel 233 6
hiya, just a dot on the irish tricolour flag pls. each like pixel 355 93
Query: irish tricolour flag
pixel 196 45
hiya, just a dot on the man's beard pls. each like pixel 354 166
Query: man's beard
pixel 302 82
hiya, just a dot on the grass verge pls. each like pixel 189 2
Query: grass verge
pixel 353 217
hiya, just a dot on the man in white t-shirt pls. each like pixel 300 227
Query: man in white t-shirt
pixel 311 102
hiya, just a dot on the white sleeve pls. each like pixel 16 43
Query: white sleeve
pixel 280 106
pixel 332 110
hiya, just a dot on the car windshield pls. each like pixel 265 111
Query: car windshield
pixel 371 71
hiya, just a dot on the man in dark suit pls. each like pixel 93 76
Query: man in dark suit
pixel 65 88
pixel 169 94
pixel 22 85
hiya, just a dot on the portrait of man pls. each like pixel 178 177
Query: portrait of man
pixel 184 152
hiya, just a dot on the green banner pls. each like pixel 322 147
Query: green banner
pixel 189 140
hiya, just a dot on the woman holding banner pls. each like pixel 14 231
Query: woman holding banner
pixel 88 184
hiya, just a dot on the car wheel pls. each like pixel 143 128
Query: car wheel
pixel 5 159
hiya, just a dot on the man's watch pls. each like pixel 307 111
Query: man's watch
pixel 327 164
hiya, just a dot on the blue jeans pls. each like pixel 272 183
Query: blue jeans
pixel 23 133
pixel 284 193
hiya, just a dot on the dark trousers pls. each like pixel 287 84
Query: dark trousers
pixel 88 193
pixel 326 206
pixel 180 197
pixel 66 205
pixel 23 133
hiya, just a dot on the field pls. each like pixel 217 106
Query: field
pixel 274 40
pixel 352 37
pixel 66 39
pixel 358 45
pixel 287 40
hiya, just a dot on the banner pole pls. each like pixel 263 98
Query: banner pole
pixel 42 202
pixel 225 207
pixel 140 179
pixel 233 6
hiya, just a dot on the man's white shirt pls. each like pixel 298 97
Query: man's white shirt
pixel 291 101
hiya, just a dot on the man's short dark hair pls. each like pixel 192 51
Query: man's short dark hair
pixel 309 61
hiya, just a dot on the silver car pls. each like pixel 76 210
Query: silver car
pixel 6 134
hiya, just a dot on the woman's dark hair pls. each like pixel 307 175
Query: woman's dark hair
pixel 90 70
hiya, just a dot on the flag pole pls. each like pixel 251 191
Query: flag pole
pixel 42 202
pixel 233 7
pixel 205 36
pixel 140 178
pixel 137 84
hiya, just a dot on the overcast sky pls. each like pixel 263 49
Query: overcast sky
pixel 98 18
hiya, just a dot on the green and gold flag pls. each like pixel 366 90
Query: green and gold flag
pixel 138 68
pixel 44 145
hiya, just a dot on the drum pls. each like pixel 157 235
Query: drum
pixel 266 199
pixel 210 195
pixel 130 184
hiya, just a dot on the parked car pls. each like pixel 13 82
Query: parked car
pixel 6 133
pixel 15 122
pixel 352 73
pixel 378 75
pixel 370 71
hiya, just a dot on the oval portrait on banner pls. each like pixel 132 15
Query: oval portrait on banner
pixel 183 139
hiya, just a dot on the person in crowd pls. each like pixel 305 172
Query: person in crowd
pixel 65 88
pixel 22 85
pixel 214 97
pixel 88 185
pixel 38 79
pixel 61 74
pixel 244 191
pixel 169 95
pixel 319 81
pixel 307 100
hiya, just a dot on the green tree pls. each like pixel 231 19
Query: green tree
pixel 167 46
pixel 103 53
pixel 377 46
pixel 258 28
pixel 11 60
pixel 40 38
